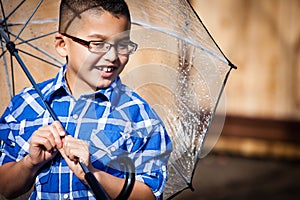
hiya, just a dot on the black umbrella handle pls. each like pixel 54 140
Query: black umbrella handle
pixel 93 183
pixel 129 180
pixel 127 187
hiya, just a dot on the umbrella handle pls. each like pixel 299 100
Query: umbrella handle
pixel 129 180
pixel 127 187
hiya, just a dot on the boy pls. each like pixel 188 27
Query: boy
pixel 100 118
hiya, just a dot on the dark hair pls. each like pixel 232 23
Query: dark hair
pixel 71 9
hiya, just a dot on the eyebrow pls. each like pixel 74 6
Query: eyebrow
pixel 97 36
pixel 105 38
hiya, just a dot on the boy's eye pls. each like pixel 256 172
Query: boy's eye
pixel 98 44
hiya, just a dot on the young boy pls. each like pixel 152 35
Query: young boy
pixel 100 118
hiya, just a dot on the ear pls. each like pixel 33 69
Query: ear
pixel 60 45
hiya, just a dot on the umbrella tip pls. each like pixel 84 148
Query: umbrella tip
pixel 232 65
pixel 191 187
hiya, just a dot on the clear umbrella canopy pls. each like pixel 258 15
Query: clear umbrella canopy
pixel 181 71
pixel 178 69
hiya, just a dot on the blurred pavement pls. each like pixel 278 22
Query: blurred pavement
pixel 223 177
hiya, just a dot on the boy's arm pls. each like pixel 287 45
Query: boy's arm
pixel 17 178
pixel 113 186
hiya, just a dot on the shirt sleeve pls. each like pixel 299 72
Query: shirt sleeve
pixel 17 124
pixel 151 161
pixel 7 139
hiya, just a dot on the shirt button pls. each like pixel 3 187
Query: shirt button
pixel 113 149
pixel 126 136
pixel 75 116
pixel 66 196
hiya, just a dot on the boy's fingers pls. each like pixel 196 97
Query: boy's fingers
pixel 59 128
pixel 57 139
pixel 45 134
pixel 58 132
pixel 45 139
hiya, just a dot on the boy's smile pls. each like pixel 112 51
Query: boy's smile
pixel 88 71
pixel 107 70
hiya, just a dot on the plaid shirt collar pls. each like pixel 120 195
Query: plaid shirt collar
pixel 60 83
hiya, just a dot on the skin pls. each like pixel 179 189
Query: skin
pixel 85 74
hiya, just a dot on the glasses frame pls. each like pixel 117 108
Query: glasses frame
pixel 106 48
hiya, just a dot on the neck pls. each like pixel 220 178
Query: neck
pixel 77 87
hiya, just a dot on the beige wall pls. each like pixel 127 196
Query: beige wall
pixel 263 39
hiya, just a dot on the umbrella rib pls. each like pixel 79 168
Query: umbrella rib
pixel 30 17
pixel 38 58
pixel 40 50
pixel 33 22
pixel 224 60
pixel 182 176
pixel 10 88
pixel 218 100
pixel 3 52
pixel 229 62
pixel 36 38
pixel 4 21
pixel 12 75
pixel 13 11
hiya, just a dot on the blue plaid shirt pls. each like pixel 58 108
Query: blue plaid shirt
pixel 115 121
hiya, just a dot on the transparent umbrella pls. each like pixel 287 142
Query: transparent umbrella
pixel 181 72
pixel 178 69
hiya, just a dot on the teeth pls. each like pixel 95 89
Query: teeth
pixel 107 69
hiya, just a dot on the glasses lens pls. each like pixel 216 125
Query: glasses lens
pixel 127 47
pixel 123 48
pixel 99 47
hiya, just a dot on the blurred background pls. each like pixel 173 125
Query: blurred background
pixel 257 155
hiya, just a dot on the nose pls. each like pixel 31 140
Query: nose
pixel 112 54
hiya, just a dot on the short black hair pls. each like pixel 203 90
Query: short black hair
pixel 71 9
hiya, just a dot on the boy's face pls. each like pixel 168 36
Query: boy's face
pixel 87 71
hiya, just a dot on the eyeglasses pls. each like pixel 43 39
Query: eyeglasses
pixel 123 47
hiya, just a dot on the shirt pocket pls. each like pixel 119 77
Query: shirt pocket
pixel 108 145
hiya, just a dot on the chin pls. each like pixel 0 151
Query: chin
pixel 104 84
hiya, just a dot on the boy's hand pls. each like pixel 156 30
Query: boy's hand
pixel 75 151
pixel 44 144
pixel 48 140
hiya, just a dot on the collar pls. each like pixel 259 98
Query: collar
pixel 59 85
